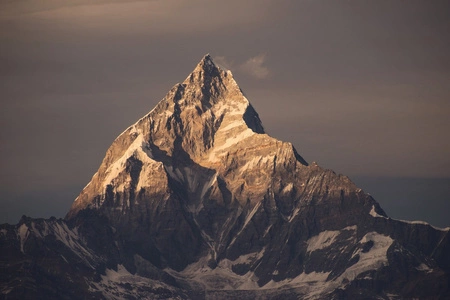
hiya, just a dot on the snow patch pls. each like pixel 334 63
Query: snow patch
pixel 245 259
pixel 116 275
pixel 288 188
pixel 322 240
pixel 314 285
pixel 197 183
pixel 374 214
pixel 252 213
pixel 220 278
pixel 373 259
pixel 424 268
pixel 257 161
pixel 267 230
pixel 6 290
pixel 232 125
pixel 121 284
pixel 294 213
pixel 231 108
pixel 424 223
pixel 23 234
pixel 208 185
pixel 313 277
pixel 41 233
pixel 71 239
pixel 247 220
pixel 230 142
pixel 326 238
pixel 135 149
pixel 311 187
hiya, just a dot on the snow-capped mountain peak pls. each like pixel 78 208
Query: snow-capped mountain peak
pixel 196 201
pixel 203 122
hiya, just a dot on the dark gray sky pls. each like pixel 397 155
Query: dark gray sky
pixel 361 87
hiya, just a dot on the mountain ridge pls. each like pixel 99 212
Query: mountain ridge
pixel 195 200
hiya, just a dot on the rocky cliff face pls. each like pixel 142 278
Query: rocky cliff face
pixel 195 201
pixel 179 170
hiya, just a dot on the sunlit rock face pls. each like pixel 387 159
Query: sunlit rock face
pixel 196 201
pixel 197 167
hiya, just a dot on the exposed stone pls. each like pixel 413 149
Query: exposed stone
pixel 195 201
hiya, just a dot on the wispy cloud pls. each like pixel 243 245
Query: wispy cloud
pixel 223 62
pixel 254 66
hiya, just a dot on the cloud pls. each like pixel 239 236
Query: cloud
pixel 224 63
pixel 255 67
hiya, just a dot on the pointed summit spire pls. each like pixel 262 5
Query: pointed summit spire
pixel 206 68
pixel 208 59
pixel 211 79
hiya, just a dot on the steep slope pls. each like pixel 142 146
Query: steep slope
pixel 183 163
pixel 45 259
pixel 53 259
pixel 195 201
pixel 198 181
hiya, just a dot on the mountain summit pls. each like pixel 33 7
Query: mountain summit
pixel 189 154
pixel 196 201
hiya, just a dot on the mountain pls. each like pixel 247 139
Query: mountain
pixel 196 201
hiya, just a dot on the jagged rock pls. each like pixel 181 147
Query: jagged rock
pixel 195 201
